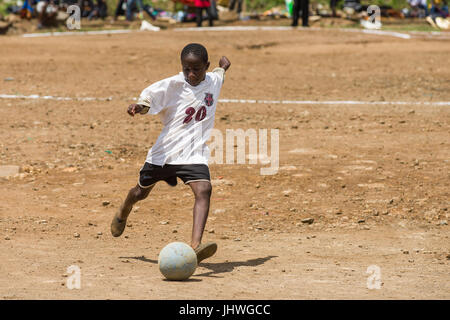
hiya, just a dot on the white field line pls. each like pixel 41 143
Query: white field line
pixel 74 33
pixel 247 101
pixel 405 35
pixel 36 96
pixel 250 28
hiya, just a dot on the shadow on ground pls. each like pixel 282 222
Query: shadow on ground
pixel 216 268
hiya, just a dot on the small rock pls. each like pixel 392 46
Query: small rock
pixel 76 235
pixel 164 222
pixel 308 220
pixel 338 212
pixel 106 203
pixel 406 252
pixel 211 231
pixel 175 231
pixel 293 210
pixel 443 222
pixel 99 233
pixel 237 239
pixel 7 238
pixel 361 220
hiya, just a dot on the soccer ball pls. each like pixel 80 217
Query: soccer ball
pixel 177 261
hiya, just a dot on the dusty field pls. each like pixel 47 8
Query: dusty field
pixel 375 178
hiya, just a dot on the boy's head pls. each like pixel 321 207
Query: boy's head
pixel 194 60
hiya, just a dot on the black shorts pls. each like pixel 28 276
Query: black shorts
pixel 151 174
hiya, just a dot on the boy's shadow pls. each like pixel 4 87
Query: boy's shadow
pixel 216 268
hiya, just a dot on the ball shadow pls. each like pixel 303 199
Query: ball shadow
pixel 216 268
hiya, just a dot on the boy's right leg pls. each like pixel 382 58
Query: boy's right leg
pixel 120 218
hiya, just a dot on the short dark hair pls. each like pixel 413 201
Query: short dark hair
pixel 197 50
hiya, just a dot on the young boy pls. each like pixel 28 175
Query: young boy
pixel 187 105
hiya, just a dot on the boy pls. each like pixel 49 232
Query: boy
pixel 187 104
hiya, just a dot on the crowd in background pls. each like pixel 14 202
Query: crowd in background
pixel 198 10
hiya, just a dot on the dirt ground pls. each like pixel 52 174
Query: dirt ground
pixel 374 178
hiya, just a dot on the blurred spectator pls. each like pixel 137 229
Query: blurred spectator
pixel 100 10
pixel 86 7
pixel 353 5
pixel 47 12
pixel 239 7
pixel 302 5
pixel 130 7
pixel 333 5
pixel 417 6
pixel 439 8
pixel 147 7
pixel 120 9
pixel 201 5
pixel 27 11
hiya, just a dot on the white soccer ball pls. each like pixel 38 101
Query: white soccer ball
pixel 177 261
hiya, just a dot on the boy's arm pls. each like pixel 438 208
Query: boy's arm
pixel 137 108
pixel 224 63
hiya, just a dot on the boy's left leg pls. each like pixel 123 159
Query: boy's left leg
pixel 202 192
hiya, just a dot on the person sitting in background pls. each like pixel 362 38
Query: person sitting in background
pixel 47 12
pixel 26 12
pixel 439 8
pixel 417 5
pixel 100 10
pixel 86 7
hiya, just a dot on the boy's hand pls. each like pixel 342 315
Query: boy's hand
pixel 134 108
pixel 224 63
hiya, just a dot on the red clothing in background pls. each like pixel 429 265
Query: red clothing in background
pixel 202 3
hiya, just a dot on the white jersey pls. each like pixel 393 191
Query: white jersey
pixel 187 113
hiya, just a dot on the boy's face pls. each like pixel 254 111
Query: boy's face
pixel 194 69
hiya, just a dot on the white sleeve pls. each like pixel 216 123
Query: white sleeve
pixel 220 73
pixel 154 96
